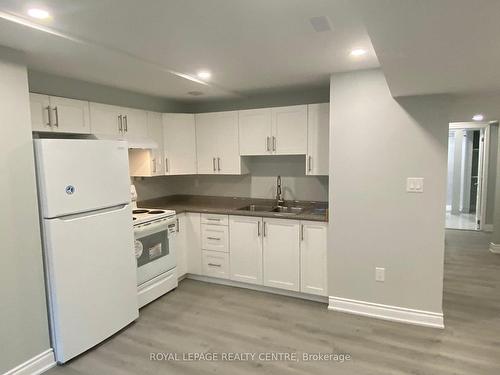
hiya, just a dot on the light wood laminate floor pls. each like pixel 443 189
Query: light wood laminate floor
pixel 200 317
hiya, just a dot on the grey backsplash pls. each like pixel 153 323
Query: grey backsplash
pixel 259 183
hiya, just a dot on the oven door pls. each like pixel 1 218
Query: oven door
pixel 153 251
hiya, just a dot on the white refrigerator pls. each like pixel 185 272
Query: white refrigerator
pixel 90 266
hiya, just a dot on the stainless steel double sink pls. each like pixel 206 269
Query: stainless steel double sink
pixel 280 209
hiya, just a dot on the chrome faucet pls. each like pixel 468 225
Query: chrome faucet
pixel 279 193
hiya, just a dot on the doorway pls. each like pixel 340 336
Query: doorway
pixel 467 163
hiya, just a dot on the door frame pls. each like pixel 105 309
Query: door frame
pixel 484 154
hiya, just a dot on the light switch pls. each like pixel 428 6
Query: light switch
pixel 415 185
pixel 379 274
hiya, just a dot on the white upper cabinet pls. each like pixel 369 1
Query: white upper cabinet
pixel 119 122
pixel 313 246
pixel 155 133
pixel 290 130
pixel 179 143
pixel 52 113
pixel 273 131
pixel 318 128
pixel 217 143
pixel 245 237
pixel 256 131
pixel 281 259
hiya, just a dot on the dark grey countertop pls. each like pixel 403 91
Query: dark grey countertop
pixel 314 211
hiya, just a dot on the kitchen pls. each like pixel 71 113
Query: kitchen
pixel 242 187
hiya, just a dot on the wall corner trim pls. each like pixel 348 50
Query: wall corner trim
pixel 36 365
pixel 488 228
pixel 386 312
pixel 495 248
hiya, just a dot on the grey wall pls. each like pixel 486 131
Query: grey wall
pixel 259 183
pixel 23 315
pixel 49 84
pixel 492 175
pixel 380 225
pixel 265 99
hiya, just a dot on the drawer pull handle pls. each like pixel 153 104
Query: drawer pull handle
pixel 214 265
pixel 214 238
pixel 212 219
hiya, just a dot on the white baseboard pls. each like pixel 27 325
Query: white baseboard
pixel 488 227
pixel 393 313
pixel 260 288
pixel 495 248
pixel 36 365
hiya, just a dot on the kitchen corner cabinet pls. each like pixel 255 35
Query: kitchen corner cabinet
pixel 273 131
pixel 245 237
pixel 217 143
pixel 118 122
pixel 318 129
pixel 281 254
pixel 313 248
pixel 179 143
pixel 55 114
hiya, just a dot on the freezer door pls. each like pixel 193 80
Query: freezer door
pixel 91 277
pixel 76 175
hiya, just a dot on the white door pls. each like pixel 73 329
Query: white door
pixel 255 131
pixel 40 113
pixel 206 143
pixel 92 273
pixel 135 123
pixel 70 115
pixel 155 133
pixel 281 253
pixel 179 143
pixel 193 243
pixel 180 245
pixel 106 120
pixel 77 175
pixel 313 247
pixel 318 129
pixel 290 130
pixel 245 237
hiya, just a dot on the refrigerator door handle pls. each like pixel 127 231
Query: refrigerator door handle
pixel 91 213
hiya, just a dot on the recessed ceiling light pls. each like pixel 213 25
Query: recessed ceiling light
pixel 38 13
pixel 358 52
pixel 478 117
pixel 204 74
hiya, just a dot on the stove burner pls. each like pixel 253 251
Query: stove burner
pixel 155 212
pixel 139 211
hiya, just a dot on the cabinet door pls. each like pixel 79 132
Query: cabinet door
pixel 206 143
pixel 318 128
pixel 180 245
pixel 255 131
pixel 245 237
pixel 105 120
pixel 313 247
pixel 193 243
pixel 135 123
pixel 281 253
pixel 155 133
pixel 70 115
pixel 39 106
pixel 290 130
pixel 226 135
pixel 179 143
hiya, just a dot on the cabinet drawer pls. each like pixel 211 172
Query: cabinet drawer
pixel 215 264
pixel 215 237
pixel 216 219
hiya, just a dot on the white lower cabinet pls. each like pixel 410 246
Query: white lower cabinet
pixel 245 237
pixel 281 260
pixel 193 243
pixel 215 264
pixel 313 246
pixel 180 243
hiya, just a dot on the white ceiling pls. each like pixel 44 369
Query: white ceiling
pixel 144 46
pixel 436 46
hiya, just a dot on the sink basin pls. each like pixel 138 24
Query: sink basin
pixel 288 209
pixel 257 207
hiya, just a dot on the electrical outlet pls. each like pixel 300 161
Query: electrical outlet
pixel 379 274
